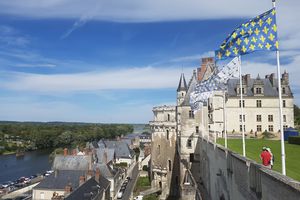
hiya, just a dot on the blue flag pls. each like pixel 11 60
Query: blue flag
pixel 257 34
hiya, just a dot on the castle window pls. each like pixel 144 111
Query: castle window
pixel 270 118
pixel 241 104
pixel 271 129
pixel 158 149
pixel 258 128
pixel 170 165
pixel 197 129
pixel 284 118
pixel 283 90
pixel 189 143
pixel 283 103
pixel 191 114
pixel 258 90
pixel 258 103
pixel 168 117
pixel 243 118
pixel 167 134
pixel 182 94
pixel 242 129
pixel 258 118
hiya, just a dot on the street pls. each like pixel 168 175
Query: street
pixel 131 183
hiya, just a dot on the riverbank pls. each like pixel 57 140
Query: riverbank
pixel 33 162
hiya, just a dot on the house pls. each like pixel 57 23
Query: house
pixel 72 173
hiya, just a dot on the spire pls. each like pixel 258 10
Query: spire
pixel 182 84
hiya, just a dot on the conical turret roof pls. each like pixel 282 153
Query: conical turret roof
pixel 182 84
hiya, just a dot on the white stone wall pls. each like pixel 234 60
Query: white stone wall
pixel 163 147
pixel 38 194
pixel 269 107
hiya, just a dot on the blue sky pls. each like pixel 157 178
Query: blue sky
pixel 106 61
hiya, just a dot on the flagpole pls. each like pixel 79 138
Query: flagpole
pixel 224 116
pixel 280 108
pixel 242 106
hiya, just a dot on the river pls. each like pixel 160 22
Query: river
pixel 12 168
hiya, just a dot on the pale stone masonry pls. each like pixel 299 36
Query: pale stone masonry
pixel 181 163
pixel 260 103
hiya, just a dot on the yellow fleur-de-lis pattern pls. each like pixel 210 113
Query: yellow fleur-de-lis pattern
pixel 259 33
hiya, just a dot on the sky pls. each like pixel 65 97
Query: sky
pixel 112 61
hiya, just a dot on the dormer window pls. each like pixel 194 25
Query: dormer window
pixel 283 90
pixel 258 90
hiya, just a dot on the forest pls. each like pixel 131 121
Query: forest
pixel 39 135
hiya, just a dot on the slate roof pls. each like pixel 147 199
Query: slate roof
pixel 91 189
pixel 191 87
pixel 105 170
pixel 58 180
pixel 269 89
pixel 100 154
pixel 182 84
pixel 121 148
pixel 71 162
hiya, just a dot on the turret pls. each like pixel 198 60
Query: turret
pixel 181 90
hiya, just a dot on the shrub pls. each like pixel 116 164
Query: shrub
pixel 294 140
pixel 267 135
pixel 145 168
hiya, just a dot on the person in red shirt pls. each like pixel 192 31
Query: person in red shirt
pixel 266 158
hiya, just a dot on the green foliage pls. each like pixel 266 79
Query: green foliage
pixel 151 197
pixel 267 135
pixel 137 153
pixel 145 168
pixel 254 147
pixel 294 140
pixel 297 115
pixel 59 134
pixel 143 183
pixel 122 165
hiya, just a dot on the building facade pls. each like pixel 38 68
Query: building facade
pixel 163 151
pixel 177 130
pixel 260 103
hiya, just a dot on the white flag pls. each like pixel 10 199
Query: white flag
pixel 215 82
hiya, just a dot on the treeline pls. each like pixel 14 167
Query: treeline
pixel 297 116
pixel 59 134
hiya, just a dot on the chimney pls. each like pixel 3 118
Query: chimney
pixel 81 180
pixel 105 156
pixel 201 71
pixel 247 79
pixel 97 175
pixel 272 79
pixel 285 78
pixel 65 151
pixel 68 189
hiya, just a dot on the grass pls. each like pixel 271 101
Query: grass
pixel 151 197
pixel 142 184
pixel 254 147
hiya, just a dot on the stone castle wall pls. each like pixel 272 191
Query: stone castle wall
pixel 226 175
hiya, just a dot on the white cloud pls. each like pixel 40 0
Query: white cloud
pixel 157 10
pixel 130 78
